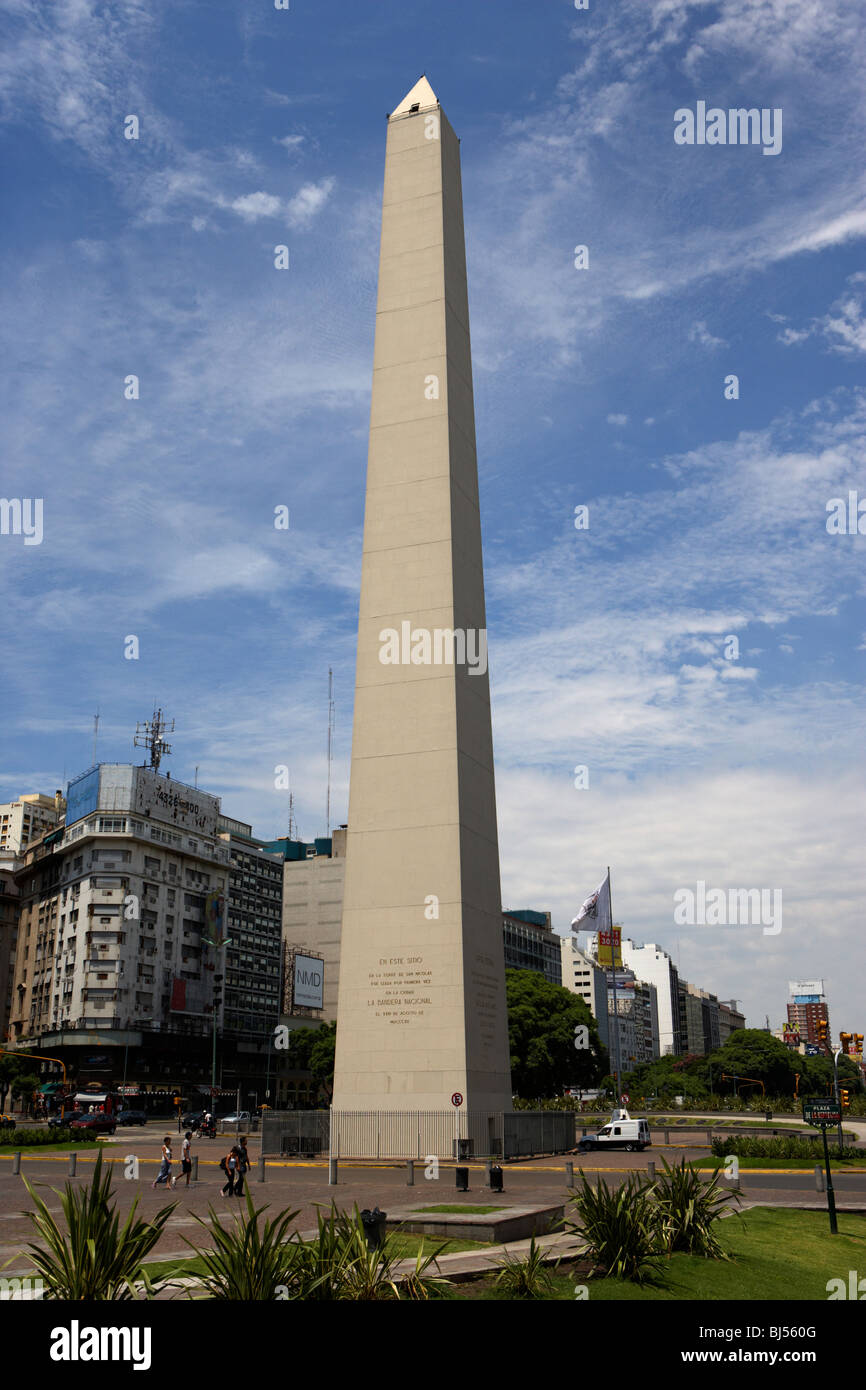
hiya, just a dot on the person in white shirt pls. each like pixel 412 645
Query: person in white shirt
pixel 165 1168
pixel 186 1156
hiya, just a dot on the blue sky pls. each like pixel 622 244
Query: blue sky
pixel 602 387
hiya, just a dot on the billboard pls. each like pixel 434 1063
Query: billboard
pixel 809 987
pixel 609 949
pixel 184 807
pixel 215 916
pixel 309 981
pixel 82 796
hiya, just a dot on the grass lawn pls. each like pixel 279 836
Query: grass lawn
pixel 404 1244
pixel 777 1254
pixel 459 1210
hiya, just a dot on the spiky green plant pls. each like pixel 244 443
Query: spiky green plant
pixel 247 1263
pixel 687 1208
pixel 527 1278
pixel 619 1228
pixel 95 1259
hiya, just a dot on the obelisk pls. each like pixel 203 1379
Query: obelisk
pixel 422 1014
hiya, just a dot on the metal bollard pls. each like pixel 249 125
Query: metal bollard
pixel 72 1160
pixel 651 1170
pixel 410 1172
pixel 569 1174
pixel 16 1163
pixel 194 1174
pixel 261 1167
pixel 332 1172
pixel 819 1178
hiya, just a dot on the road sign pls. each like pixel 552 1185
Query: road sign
pixel 822 1113
pixel 624 1097
pixel 456 1099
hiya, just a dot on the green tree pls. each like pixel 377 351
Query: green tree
pixel 312 1050
pixel 542 1018
pixel 11 1068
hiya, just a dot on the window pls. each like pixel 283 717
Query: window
pixel 111 823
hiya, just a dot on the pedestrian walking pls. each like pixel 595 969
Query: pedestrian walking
pixel 229 1165
pixel 164 1174
pixel 243 1166
pixel 186 1155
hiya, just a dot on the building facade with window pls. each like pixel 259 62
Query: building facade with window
pixel 531 943
pixel 112 926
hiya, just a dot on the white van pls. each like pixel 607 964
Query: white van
pixel 622 1133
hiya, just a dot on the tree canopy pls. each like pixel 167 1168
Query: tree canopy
pixel 542 1018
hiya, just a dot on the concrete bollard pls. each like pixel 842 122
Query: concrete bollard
pixel 569 1173
pixel 332 1172
pixel 16 1163
pixel 667 1135
pixel 651 1170
pixel 72 1161
pixel 262 1168
pixel 410 1172
pixel 819 1178
pixel 193 1177
pixel 488 1165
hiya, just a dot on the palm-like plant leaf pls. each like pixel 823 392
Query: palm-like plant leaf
pixel 95 1259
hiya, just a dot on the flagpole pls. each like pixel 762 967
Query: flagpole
pixel 618 1059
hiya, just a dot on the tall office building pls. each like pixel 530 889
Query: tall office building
pixel 313 876
pixel 584 976
pixel 807 1005
pixel 654 966
pixel 26 819
pixel 531 943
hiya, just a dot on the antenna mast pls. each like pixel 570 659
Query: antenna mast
pixel 95 733
pixel 330 747
pixel 291 815
pixel 150 734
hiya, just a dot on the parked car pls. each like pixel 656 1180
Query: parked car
pixel 63 1121
pixel 132 1117
pixel 100 1124
pixel 622 1133
pixel 240 1120
pixel 6 1122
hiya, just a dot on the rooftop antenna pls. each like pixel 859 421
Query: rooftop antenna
pixel 95 734
pixel 330 747
pixel 150 734
pixel 196 776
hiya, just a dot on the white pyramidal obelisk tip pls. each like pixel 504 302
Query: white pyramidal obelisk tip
pixel 422 95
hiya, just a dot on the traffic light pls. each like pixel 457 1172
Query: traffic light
pixel 858 1044
pixel 821 1029
pixel 845 1042
pixel 845 1097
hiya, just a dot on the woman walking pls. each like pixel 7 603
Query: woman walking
pixel 243 1166
pixel 229 1166
pixel 165 1168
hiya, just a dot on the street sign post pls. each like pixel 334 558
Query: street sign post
pixel 823 1114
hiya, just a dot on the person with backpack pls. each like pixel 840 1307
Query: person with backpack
pixel 186 1156
pixel 165 1167
pixel 229 1165
pixel 243 1166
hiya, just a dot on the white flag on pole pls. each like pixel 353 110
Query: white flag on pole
pixel 595 912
